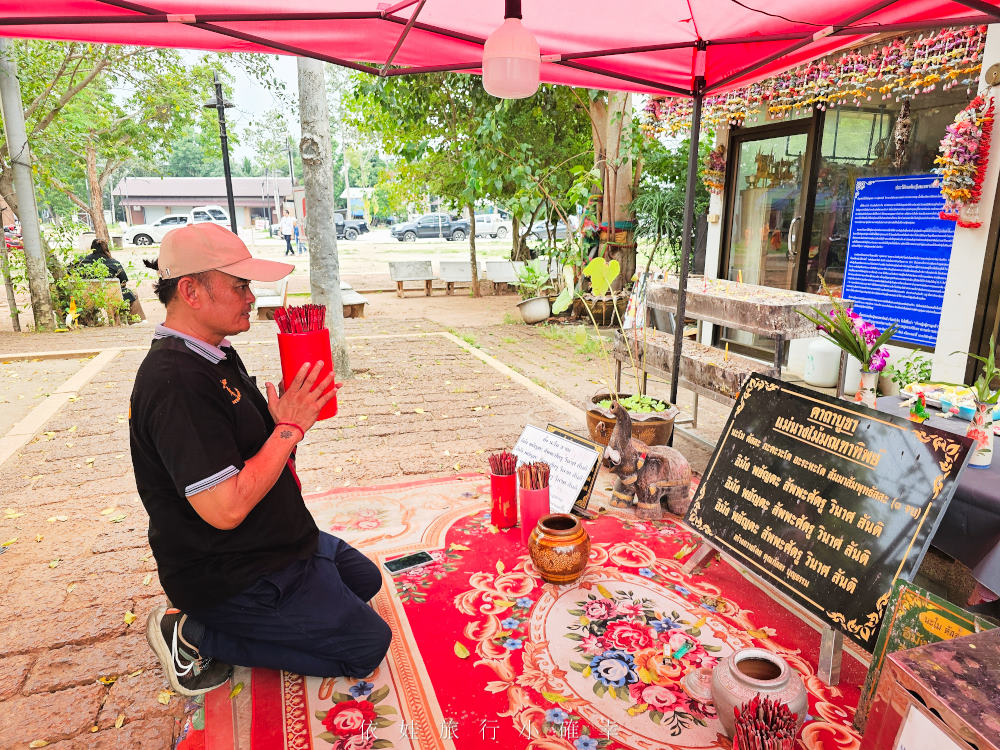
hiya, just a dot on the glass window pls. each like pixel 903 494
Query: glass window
pixel 201 216
pixel 861 143
pixel 217 214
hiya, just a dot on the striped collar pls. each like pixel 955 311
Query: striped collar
pixel 202 348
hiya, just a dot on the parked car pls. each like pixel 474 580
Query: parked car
pixel 214 214
pixel 147 234
pixel 13 238
pixel 493 225
pixel 431 225
pixel 349 229
pixel 541 232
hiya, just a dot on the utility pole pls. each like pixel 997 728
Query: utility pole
pixel 291 164
pixel 219 103
pixel 317 177
pixel 24 188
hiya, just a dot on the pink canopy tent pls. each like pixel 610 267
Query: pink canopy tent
pixel 668 47
pixel 648 46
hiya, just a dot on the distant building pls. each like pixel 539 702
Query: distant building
pixel 147 199
pixel 356 200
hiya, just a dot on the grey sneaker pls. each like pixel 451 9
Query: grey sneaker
pixel 188 672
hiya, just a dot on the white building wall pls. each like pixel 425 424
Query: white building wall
pixel 968 254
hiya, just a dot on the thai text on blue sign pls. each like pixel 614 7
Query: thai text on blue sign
pixel 898 254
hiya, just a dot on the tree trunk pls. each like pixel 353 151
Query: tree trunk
pixel 472 251
pixel 27 210
pixel 609 121
pixel 15 319
pixel 96 195
pixel 317 177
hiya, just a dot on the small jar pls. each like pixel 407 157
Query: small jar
pixel 752 671
pixel 559 547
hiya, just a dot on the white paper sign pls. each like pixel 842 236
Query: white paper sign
pixel 569 463
pixel 920 733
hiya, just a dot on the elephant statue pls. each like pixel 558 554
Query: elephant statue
pixel 652 479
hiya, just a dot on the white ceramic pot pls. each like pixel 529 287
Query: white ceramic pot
pixel 822 364
pixel 534 310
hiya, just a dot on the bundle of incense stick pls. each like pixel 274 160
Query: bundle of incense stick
pixel 503 463
pixel 533 476
pixel 304 319
pixel 764 724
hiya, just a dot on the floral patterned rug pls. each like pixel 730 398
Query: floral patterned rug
pixel 486 654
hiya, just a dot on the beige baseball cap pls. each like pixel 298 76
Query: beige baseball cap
pixel 209 247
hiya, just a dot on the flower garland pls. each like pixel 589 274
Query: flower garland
pixel 898 69
pixel 714 173
pixel 964 154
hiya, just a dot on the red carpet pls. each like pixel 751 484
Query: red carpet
pixel 486 654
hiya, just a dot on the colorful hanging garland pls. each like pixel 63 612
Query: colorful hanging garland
pixel 714 173
pixel 964 154
pixel 898 69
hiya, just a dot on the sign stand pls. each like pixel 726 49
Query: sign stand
pixel 699 559
pixel 831 649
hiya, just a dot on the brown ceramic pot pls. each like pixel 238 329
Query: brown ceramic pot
pixel 559 547
pixel 752 671
pixel 652 428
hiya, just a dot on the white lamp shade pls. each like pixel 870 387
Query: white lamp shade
pixel 511 61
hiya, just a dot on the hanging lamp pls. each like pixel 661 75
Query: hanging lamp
pixel 511 57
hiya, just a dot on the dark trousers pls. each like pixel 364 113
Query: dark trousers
pixel 310 618
pixel 288 244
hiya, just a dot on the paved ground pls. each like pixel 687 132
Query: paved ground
pixel 73 671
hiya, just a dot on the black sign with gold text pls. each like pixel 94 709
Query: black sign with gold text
pixel 830 501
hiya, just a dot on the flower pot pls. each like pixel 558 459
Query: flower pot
pixel 887 386
pixel 751 671
pixel 532 504
pixel 866 391
pixel 981 432
pixel 652 428
pixel 602 308
pixel 559 547
pixel 534 310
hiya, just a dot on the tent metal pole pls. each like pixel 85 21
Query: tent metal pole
pixel 692 175
pixel 800 44
pixel 402 38
pixel 981 5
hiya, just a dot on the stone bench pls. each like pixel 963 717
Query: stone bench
pixel 703 369
pixel 503 273
pixel 411 270
pixel 354 303
pixel 458 272
pixel 270 296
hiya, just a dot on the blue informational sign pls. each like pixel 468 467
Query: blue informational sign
pixel 898 255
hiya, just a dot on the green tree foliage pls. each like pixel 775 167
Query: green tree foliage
pixel 446 136
pixel 659 202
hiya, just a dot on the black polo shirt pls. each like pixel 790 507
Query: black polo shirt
pixel 195 417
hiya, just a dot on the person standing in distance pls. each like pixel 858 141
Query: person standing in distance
pixel 287 227
pixel 250 578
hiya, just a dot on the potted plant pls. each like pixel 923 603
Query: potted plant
pixel 913 368
pixel 652 419
pixel 859 338
pixel 986 392
pixel 534 304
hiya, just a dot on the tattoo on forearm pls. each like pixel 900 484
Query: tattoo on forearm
pixel 286 434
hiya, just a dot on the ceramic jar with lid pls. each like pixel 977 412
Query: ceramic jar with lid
pixel 751 671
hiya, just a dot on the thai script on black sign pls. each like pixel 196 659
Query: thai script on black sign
pixel 828 500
